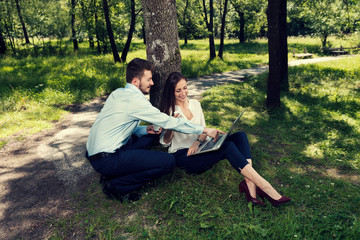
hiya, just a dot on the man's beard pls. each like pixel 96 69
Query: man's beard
pixel 143 91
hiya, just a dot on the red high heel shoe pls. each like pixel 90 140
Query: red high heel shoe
pixel 274 202
pixel 244 188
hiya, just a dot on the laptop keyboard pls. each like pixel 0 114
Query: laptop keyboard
pixel 211 144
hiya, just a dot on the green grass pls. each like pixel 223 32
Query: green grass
pixel 195 57
pixel 308 149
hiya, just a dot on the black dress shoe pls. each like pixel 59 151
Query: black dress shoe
pixel 113 194
pixel 102 179
pixel 133 197
pixel 110 193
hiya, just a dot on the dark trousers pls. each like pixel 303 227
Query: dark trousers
pixel 132 166
pixel 235 149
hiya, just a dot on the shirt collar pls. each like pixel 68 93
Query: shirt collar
pixel 134 89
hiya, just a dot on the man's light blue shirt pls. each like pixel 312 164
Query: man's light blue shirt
pixel 121 115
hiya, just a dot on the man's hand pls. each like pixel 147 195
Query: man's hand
pixel 212 132
pixel 150 130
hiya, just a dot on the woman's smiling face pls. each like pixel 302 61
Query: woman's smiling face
pixel 181 91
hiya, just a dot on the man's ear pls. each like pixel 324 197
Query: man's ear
pixel 135 82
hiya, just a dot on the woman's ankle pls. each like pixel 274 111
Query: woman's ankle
pixel 269 190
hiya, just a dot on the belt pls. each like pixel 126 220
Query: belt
pixel 97 156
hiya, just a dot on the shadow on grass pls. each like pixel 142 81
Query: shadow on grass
pixel 247 48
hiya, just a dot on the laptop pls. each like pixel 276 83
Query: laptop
pixel 208 145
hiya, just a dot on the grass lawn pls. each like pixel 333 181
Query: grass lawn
pixel 308 149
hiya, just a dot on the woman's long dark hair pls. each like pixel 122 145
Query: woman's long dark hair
pixel 167 104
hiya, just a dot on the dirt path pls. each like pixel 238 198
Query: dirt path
pixel 38 175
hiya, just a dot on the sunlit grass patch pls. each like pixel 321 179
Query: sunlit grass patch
pixel 236 56
pixel 24 122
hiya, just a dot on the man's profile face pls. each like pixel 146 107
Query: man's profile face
pixel 146 82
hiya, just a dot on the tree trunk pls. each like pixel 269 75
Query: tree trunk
pixel 73 31
pixel 241 34
pixel 277 43
pixel 184 21
pixel 85 16
pixel 323 40
pixel 91 42
pixel 10 37
pixel 27 41
pixel 110 32
pixel 143 33
pixel 97 34
pixel 130 34
pixel 162 42
pixel 284 80
pixel 242 28
pixel 222 34
pixel 210 27
pixel 2 43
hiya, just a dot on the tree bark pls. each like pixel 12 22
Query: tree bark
pixel 110 32
pixel 27 41
pixel 130 33
pixel 278 60
pixel 73 31
pixel 222 34
pixel 162 42
pixel 210 27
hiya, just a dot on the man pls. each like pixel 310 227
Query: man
pixel 116 143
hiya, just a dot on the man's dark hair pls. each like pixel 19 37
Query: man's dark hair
pixel 136 68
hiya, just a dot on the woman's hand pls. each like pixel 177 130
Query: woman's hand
pixel 193 148
pixel 150 130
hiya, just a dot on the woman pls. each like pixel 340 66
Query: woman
pixel 236 149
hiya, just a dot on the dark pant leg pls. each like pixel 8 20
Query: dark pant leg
pixel 129 169
pixel 140 142
pixel 242 143
pixel 201 162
